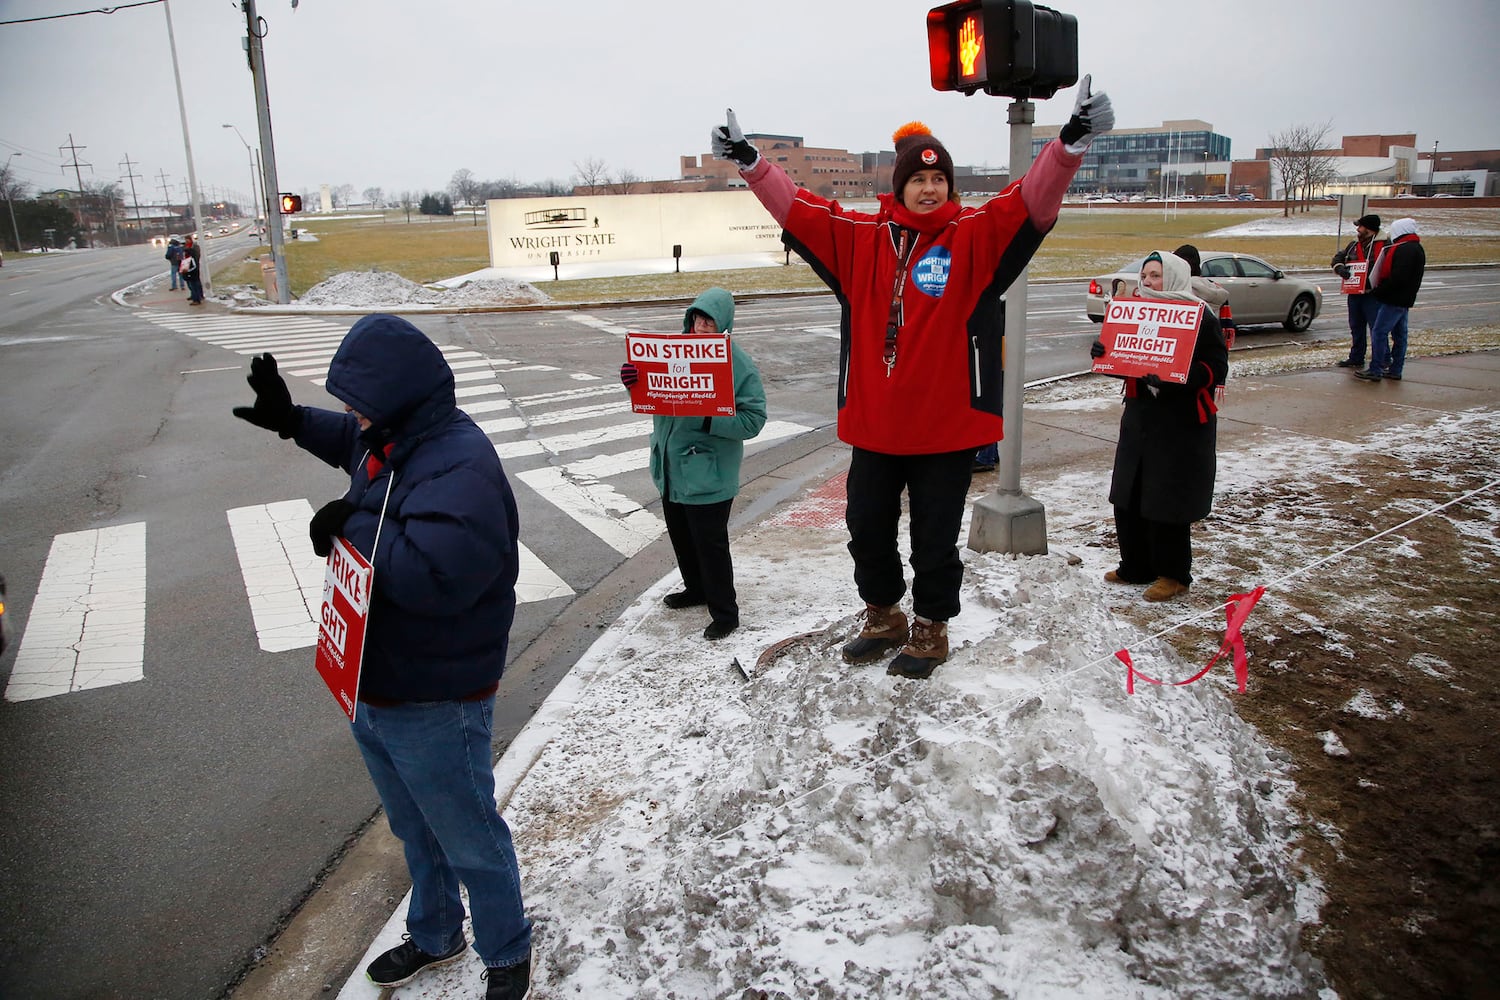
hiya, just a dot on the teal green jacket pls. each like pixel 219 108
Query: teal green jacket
pixel 696 460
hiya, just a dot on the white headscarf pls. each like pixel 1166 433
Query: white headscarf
pixel 1176 275
pixel 1403 227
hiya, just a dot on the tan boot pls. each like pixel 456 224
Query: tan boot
pixel 927 647
pixel 1164 589
pixel 885 629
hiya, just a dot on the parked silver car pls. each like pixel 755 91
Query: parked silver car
pixel 1258 292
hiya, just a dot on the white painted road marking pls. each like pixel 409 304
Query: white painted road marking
pixel 87 627
pixel 283 576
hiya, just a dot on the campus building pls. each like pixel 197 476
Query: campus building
pixel 1153 162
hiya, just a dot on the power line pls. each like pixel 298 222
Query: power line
pixel 81 13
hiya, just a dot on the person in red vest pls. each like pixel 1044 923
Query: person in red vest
pixel 1395 279
pixel 1352 264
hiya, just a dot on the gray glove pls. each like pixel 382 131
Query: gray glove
pixel 728 142
pixel 1093 115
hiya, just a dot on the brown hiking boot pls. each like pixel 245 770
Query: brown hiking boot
pixel 927 647
pixel 1164 589
pixel 885 629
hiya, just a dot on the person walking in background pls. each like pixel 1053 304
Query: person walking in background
pixel 920 356
pixel 426 480
pixel 174 263
pixel 1165 459
pixel 1395 279
pixel 191 276
pixel 1352 265
pixel 695 463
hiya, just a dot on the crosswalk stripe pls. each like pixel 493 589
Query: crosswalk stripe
pixel 616 520
pixel 87 627
pixel 536 582
pixel 283 576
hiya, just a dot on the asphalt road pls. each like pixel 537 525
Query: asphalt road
pixel 152 833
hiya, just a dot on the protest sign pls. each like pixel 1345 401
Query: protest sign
pixel 341 627
pixel 1149 337
pixel 681 375
pixel 1358 276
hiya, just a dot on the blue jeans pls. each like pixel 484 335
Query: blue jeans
pixel 1362 309
pixel 1388 340
pixel 430 762
pixel 176 281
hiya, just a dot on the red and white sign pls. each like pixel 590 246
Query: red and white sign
pixel 1358 278
pixel 681 374
pixel 341 628
pixel 1149 337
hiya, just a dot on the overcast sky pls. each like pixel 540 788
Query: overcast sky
pixel 398 94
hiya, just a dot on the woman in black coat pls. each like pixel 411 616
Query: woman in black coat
pixel 1164 463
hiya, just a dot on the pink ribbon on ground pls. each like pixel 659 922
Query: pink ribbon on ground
pixel 1236 610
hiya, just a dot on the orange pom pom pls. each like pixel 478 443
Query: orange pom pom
pixel 910 128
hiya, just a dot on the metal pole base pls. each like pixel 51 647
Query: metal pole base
pixel 1008 522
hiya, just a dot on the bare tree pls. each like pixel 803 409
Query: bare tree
pixel 1303 163
pixel 375 196
pixel 622 181
pixel 592 174
pixel 407 199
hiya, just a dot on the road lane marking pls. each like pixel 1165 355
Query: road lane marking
pixel 283 576
pixel 87 627
pixel 616 520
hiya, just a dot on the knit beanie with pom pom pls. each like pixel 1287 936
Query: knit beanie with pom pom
pixel 918 149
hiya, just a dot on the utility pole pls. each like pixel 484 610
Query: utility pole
pixel 82 197
pixel 255 31
pixel 5 174
pixel 187 146
pixel 130 176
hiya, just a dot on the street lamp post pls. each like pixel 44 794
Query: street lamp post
pixel 10 204
pixel 1432 172
pixel 254 197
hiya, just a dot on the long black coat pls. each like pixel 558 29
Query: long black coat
pixel 1163 442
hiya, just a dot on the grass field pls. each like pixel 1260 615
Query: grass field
pixel 1085 242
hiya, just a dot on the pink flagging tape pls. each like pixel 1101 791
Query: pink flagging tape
pixel 1236 610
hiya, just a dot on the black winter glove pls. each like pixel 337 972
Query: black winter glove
pixel 273 407
pixel 327 524
pixel 728 142
pixel 1096 349
pixel 629 376
pixel 1342 270
pixel 1093 115
pixel 1153 380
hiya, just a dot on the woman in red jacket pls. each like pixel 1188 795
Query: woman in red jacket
pixel 920 355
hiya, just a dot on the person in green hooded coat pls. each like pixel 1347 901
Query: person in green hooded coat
pixel 695 463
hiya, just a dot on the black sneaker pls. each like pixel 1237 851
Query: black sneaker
pixel 403 962
pixel 684 599
pixel 1351 363
pixel 1392 377
pixel 1367 375
pixel 507 983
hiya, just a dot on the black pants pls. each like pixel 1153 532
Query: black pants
pixel 1149 549
pixel 700 540
pixel 195 286
pixel 937 487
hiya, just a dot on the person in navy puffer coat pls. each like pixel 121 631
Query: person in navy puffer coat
pixel 443 599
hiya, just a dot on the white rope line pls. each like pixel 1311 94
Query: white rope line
pixel 1047 685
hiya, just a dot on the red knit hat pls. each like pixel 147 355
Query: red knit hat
pixel 918 149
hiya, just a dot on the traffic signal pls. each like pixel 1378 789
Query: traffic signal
pixel 1008 48
pixel 291 203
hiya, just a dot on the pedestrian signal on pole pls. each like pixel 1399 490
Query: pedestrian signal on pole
pixel 1007 48
pixel 291 203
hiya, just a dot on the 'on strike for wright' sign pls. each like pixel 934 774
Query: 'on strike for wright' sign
pixel 1149 337
pixel 681 375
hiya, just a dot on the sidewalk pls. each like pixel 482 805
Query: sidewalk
pixel 1068 450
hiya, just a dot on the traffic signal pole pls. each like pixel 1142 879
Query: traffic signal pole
pixel 255 30
pixel 1008 520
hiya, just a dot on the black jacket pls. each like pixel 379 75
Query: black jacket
pixel 1408 264
pixel 1168 438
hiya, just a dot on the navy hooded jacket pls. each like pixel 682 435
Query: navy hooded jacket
pixel 446 563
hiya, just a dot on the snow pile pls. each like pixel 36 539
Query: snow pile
pixel 381 289
pixel 1015 825
pixel 1430 222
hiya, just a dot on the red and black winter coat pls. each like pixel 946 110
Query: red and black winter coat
pixel 1358 251
pixel 1168 438
pixel 1402 267
pixel 944 391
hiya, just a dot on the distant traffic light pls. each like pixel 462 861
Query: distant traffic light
pixel 291 203
pixel 1008 48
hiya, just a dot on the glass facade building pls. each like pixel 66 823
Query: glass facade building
pixel 1132 161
